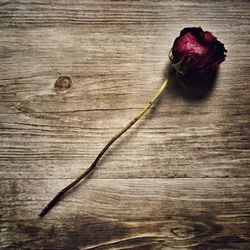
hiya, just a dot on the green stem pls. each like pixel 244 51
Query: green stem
pixel 53 202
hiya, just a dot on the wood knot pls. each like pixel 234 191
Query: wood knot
pixel 193 230
pixel 183 232
pixel 63 83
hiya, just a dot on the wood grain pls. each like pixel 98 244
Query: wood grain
pixel 179 179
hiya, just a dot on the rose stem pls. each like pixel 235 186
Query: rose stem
pixel 53 202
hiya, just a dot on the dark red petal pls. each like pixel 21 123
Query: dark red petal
pixel 209 37
pixel 188 45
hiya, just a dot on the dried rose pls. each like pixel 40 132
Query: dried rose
pixel 196 52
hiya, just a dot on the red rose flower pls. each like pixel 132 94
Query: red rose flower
pixel 196 52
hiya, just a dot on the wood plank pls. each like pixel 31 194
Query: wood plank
pixel 45 13
pixel 63 152
pixel 122 213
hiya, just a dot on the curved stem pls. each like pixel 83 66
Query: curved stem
pixel 53 202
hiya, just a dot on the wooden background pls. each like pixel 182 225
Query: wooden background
pixel 179 179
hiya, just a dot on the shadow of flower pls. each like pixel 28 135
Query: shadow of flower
pixel 193 87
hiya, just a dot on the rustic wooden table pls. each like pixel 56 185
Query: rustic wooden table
pixel 179 179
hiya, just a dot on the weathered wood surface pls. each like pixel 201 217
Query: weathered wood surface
pixel 179 179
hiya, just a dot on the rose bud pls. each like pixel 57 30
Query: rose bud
pixel 196 52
